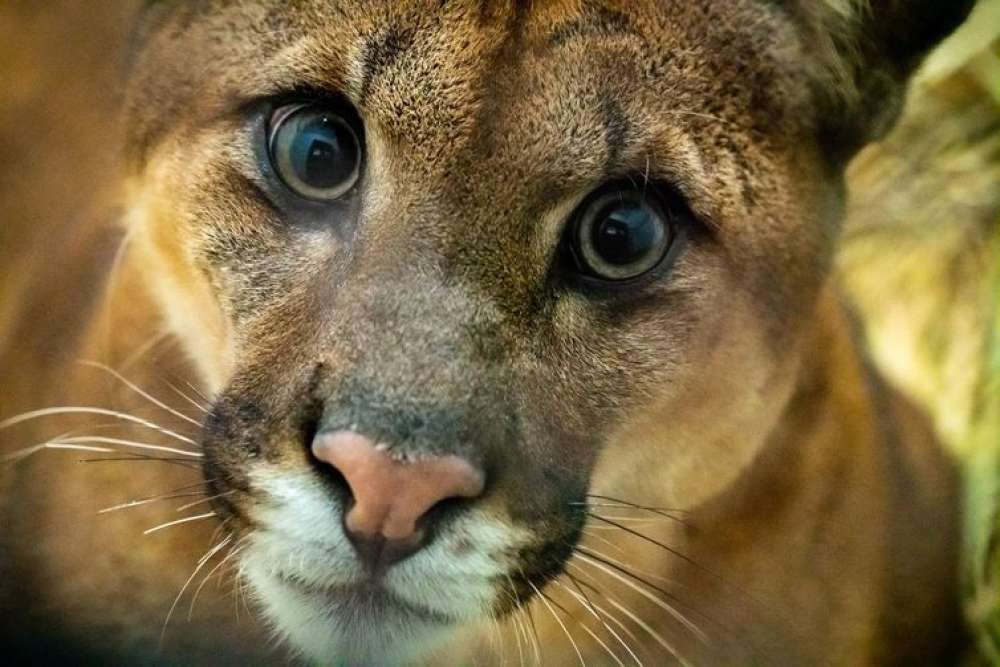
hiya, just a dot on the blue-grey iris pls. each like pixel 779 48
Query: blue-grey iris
pixel 621 234
pixel 315 152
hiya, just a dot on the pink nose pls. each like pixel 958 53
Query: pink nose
pixel 392 495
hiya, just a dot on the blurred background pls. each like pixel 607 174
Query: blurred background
pixel 920 255
pixel 920 258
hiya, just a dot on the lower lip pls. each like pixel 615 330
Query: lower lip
pixel 369 598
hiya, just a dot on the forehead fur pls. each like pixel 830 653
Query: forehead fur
pixel 449 59
pixel 485 122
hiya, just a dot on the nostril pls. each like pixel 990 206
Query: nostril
pixel 394 500
pixel 335 481
pixel 443 509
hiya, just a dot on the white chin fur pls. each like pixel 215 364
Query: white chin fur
pixel 324 634
pixel 302 542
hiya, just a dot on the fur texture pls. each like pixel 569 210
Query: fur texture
pixel 698 468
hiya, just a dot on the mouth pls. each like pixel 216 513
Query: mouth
pixel 367 602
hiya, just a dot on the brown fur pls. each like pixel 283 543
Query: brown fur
pixel 433 313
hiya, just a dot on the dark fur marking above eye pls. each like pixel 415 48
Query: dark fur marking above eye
pixel 597 21
pixel 380 52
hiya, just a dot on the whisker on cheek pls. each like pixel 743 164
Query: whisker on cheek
pixel 496 639
pixel 234 553
pixel 590 534
pixel 138 458
pixel 203 408
pixel 201 563
pixel 650 540
pixel 141 392
pixel 535 641
pixel 147 501
pixel 722 581
pixel 610 501
pixel 630 579
pixel 204 500
pixel 130 444
pixel 178 522
pixel 518 635
pixel 549 605
pixel 644 626
pixel 34 449
pixel 93 411
pixel 625 630
pixel 581 597
pixel 625 566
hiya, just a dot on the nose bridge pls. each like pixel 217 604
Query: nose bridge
pixel 413 321
pixel 413 376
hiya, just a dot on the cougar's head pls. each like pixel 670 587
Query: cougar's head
pixel 455 268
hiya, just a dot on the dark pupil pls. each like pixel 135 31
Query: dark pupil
pixel 625 234
pixel 322 152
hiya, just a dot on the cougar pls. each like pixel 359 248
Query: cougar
pixel 454 333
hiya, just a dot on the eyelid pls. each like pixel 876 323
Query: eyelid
pixel 279 115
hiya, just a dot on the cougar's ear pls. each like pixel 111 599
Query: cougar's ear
pixel 865 51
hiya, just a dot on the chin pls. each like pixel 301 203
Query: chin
pixel 362 624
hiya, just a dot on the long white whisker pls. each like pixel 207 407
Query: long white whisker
pixel 646 594
pixel 169 524
pixel 548 605
pixel 629 568
pixel 132 444
pixel 607 649
pixel 527 610
pixel 645 626
pixel 149 397
pixel 71 410
pixel 636 519
pixel 602 539
pixel 198 406
pixel 144 349
pixel 518 633
pixel 591 607
pixel 243 585
pixel 611 617
pixel 201 563
pixel 518 627
pixel 25 453
pixel 650 631
pixel 204 500
pixel 146 501
pixel 496 639
pixel 197 392
pixel 233 553
pixel 535 645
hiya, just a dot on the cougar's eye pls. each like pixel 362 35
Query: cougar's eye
pixel 621 233
pixel 314 151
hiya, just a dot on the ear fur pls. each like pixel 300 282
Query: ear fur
pixel 864 52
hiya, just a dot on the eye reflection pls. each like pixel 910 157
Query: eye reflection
pixel 621 234
pixel 314 151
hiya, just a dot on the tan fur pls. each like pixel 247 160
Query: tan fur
pixel 819 518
